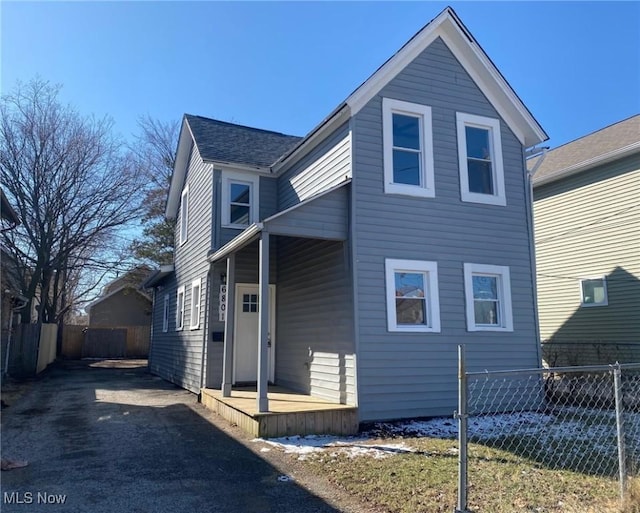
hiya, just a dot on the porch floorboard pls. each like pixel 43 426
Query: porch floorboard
pixel 289 413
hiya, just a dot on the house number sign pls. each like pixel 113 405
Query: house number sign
pixel 222 302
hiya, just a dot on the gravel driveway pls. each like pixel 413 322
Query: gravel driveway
pixel 109 437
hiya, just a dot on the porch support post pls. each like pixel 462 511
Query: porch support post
pixel 263 324
pixel 229 321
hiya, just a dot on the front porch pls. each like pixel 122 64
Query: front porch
pixel 289 413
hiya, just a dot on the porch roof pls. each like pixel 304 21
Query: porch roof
pixel 157 276
pixel 323 216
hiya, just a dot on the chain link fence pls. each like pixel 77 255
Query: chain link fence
pixel 579 419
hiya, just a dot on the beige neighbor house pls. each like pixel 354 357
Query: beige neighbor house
pixel 587 238
pixel 122 302
pixel 119 320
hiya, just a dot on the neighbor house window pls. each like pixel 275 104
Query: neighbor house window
pixel 480 159
pixel 195 304
pixel 408 148
pixel 165 314
pixel 184 215
pixel 593 292
pixel 412 295
pixel 488 297
pixel 239 199
pixel 180 309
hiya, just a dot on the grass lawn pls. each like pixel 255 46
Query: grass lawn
pixel 564 460
pixel 425 480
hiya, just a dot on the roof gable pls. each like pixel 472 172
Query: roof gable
pixel 127 289
pixel 280 151
pixel 448 27
pixel 131 278
pixel 613 142
pixel 219 141
pixel 223 143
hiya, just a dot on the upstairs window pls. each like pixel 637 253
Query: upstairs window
pixel 480 159
pixel 408 148
pixel 239 200
pixel 184 215
pixel 412 295
pixel 488 297
pixel 593 292
pixel 239 203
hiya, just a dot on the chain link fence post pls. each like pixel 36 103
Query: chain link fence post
pixel 617 383
pixel 461 414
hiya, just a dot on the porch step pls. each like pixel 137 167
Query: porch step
pixel 289 413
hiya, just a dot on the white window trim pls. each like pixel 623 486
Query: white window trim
pixel 390 107
pixel 165 314
pixel 606 292
pixel 195 304
pixel 493 125
pixel 184 215
pixel 180 309
pixel 504 295
pixel 433 303
pixel 254 181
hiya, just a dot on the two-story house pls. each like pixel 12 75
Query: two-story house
pixel 586 199
pixel 349 264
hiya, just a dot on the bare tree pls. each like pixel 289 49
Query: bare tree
pixel 154 151
pixel 75 190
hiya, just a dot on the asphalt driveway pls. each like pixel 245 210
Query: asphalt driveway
pixel 105 439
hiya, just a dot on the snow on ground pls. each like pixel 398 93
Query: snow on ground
pixel 352 447
pixel 570 426
pixel 483 427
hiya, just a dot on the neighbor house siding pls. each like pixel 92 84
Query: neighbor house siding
pixel 588 225
pixel 124 308
pixel 314 347
pixel 415 374
pixel 177 355
pixel 326 166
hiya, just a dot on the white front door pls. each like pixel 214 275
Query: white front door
pixel 245 354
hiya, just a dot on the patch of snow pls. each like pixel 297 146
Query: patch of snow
pixel 570 427
pixel 351 447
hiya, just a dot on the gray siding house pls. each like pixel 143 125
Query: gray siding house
pixel 586 196
pixel 350 263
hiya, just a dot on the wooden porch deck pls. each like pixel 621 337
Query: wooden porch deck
pixel 289 413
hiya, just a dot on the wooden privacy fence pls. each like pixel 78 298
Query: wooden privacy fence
pixel 105 341
pixel 31 349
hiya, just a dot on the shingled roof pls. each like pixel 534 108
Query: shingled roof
pixel 614 141
pixel 220 141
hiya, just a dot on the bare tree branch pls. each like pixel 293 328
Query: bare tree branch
pixel 75 188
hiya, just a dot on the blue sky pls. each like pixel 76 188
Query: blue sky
pixel 285 66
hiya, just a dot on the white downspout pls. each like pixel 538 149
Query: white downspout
pixel 532 250
pixel 205 325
